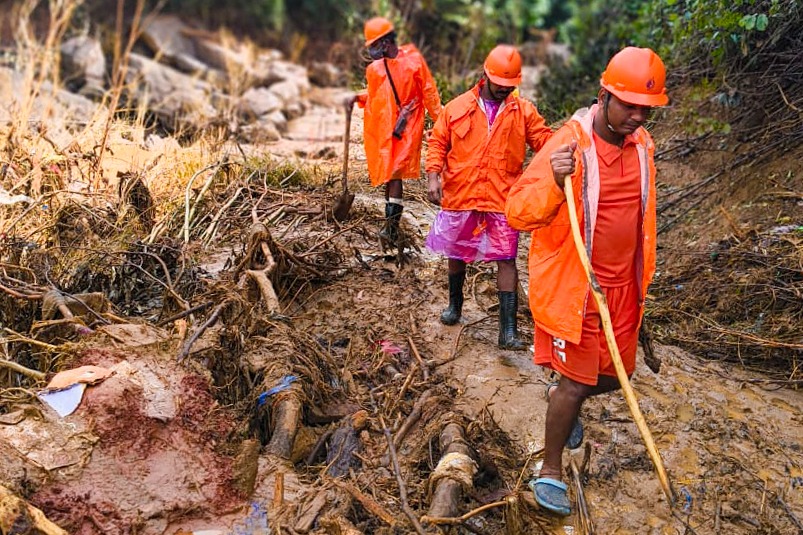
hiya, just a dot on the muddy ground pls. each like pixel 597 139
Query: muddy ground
pixel 171 445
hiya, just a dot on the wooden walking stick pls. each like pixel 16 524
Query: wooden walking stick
pixel 621 374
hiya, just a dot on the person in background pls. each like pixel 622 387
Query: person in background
pixel 400 88
pixel 475 154
pixel 609 157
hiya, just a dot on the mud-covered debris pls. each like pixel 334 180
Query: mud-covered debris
pixel 18 517
pixel 345 443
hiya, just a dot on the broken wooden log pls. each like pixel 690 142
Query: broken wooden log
pixel 244 471
pixel 370 505
pixel 454 473
pixel 310 511
pixel 337 525
pixel 19 517
pixel 286 410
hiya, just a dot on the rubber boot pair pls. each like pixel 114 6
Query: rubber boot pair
pixel 454 311
pixel 390 232
pixel 508 325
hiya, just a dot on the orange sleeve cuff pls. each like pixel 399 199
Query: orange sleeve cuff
pixel 362 98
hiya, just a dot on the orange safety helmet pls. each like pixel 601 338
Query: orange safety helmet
pixel 503 66
pixel 376 28
pixel 636 76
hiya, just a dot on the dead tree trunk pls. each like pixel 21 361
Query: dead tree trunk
pixel 286 411
pixel 455 471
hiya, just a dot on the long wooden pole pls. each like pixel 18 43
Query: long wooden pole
pixel 621 374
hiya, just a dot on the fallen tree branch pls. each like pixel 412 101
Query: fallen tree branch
pixel 586 522
pixel 185 349
pixel 397 470
pixel 460 520
pixel 260 277
pixel 187 312
pixel 189 213
pixel 22 338
pixel 408 424
pixel 367 502
pixel 417 355
pixel 463 327
pixel 33 374
pixel 22 295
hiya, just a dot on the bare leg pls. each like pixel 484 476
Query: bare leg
pixel 394 189
pixel 564 406
pixel 456 266
pixel 507 277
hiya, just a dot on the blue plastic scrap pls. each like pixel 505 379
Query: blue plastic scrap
pixel 687 500
pixel 256 523
pixel 284 384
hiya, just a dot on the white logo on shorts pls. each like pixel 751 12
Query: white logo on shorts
pixel 559 344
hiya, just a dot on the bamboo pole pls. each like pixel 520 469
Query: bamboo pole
pixel 621 374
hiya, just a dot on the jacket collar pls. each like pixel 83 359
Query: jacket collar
pixel 510 100
pixel 585 118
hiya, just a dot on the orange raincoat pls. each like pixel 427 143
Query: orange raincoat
pixel 477 164
pixel 390 158
pixel 559 289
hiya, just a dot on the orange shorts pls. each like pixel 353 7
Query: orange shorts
pixel 585 361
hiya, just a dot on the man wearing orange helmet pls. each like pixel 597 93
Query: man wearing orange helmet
pixel 475 154
pixel 608 155
pixel 400 87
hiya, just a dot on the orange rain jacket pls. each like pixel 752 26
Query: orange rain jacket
pixel 559 289
pixel 477 164
pixel 390 158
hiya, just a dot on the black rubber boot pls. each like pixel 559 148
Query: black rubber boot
pixel 390 232
pixel 508 330
pixel 452 314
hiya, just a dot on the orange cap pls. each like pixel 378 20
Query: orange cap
pixel 636 76
pixel 503 66
pixel 375 28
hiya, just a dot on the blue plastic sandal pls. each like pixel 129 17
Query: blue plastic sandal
pixel 575 439
pixel 551 495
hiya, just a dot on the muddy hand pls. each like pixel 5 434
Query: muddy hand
pixel 562 160
pixel 434 190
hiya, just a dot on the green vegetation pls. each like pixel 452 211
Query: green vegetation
pixel 708 44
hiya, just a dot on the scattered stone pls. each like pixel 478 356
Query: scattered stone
pixel 325 74
pixel 178 100
pixel 261 131
pixel 258 102
pixel 236 60
pixel 84 65
pixel 278 119
pixel 165 36
pixel 277 71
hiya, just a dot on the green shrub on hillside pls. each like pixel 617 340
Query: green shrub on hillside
pixel 699 40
